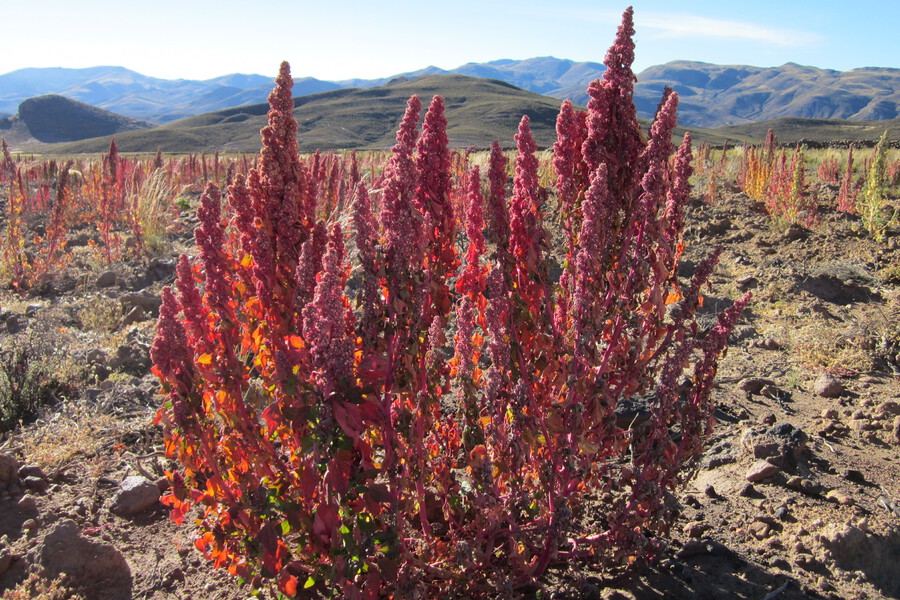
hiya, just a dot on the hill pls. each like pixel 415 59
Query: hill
pixel 478 112
pixel 716 95
pixel 52 118
pixel 712 95
pixel 148 98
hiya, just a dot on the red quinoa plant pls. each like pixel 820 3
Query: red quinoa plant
pixel 456 433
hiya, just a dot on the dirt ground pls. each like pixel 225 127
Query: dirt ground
pixel 798 495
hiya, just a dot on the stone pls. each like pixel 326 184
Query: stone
pixel 149 303
pixel 840 497
pixel 28 503
pixel 888 409
pixel 828 386
pixel 37 484
pixel 31 471
pixel 753 385
pixel 748 491
pixel 860 425
pixel 698 547
pixel 853 475
pixel 95 569
pixel 6 559
pixel 14 324
pixel 807 562
pixel 106 279
pixel 761 470
pixel 135 315
pixel 760 530
pixel 783 444
pixel 9 467
pixel 829 413
pixel 135 495
pixel 696 529
pixel 895 432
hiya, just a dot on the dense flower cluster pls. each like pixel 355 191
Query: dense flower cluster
pixel 445 434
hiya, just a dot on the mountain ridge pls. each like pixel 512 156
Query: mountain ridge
pixel 711 95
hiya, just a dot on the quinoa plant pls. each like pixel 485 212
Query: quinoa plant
pixel 448 436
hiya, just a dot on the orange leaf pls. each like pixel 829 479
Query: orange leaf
pixel 205 359
pixel 290 585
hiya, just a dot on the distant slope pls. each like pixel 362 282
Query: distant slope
pixel 148 98
pixel 715 95
pixel 711 95
pixel 53 118
pixel 545 75
pixel 478 112
pixel 793 130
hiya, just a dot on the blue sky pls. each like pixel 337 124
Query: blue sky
pixel 337 39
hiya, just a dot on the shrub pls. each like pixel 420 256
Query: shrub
pixel 871 204
pixel 25 383
pixel 456 433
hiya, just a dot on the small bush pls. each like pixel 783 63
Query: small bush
pixel 26 383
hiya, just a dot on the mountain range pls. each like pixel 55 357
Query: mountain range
pixel 711 95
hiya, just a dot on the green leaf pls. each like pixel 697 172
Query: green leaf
pixel 309 583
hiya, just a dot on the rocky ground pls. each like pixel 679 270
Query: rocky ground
pixel 798 495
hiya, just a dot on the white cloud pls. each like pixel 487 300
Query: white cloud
pixel 683 26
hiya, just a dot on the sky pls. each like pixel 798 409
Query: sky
pixel 343 39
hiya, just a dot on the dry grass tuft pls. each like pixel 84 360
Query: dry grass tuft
pixel 73 430
pixel 37 587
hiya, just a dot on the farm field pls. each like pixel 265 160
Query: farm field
pixel 620 367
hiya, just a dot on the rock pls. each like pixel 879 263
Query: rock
pixel 14 324
pixel 760 470
pixel 131 358
pixel 760 530
pixel 135 495
pixel 149 303
pixel 888 409
pixel 698 547
pixel 827 386
pixel 106 279
pixel 37 484
pixel 803 485
pixel 748 491
pixel 895 432
pixel 9 467
pixel 780 563
pixel 718 455
pixel 753 385
pixel 747 282
pixel 28 503
pixel 30 526
pixel 853 475
pixel 696 529
pixel 796 232
pixel 33 309
pixel 829 413
pixel 95 569
pixel 31 471
pixel 783 444
pixel 807 562
pixel 840 497
pixel 96 356
pixel 135 315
